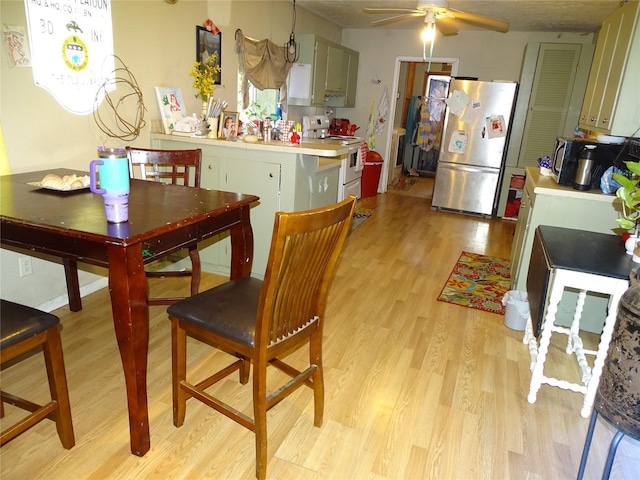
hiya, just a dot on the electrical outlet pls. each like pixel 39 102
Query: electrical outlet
pixel 25 266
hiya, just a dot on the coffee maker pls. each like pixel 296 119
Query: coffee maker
pixel 586 163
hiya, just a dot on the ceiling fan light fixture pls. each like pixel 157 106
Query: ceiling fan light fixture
pixel 429 31
pixel 428 36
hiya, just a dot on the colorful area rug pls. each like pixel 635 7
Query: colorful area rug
pixel 478 281
pixel 402 183
pixel 360 215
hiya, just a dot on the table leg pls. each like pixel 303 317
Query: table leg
pixel 545 339
pixel 242 246
pixel 73 285
pixel 603 349
pixel 128 287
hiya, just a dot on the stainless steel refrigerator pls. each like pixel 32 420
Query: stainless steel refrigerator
pixel 473 147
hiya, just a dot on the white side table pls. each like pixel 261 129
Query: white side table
pixel 586 261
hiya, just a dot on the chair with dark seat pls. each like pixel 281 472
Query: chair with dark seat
pixel 259 321
pixel 22 329
pixel 178 167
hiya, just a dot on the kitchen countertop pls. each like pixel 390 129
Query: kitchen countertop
pixel 315 147
pixel 541 184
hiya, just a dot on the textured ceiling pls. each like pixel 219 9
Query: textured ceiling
pixel 523 15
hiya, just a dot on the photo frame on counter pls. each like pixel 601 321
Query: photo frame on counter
pixel 208 44
pixel 172 107
pixel 226 120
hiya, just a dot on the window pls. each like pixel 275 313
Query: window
pixel 262 103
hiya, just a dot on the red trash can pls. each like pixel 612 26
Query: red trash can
pixel 372 168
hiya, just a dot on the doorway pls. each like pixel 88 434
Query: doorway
pixel 410 73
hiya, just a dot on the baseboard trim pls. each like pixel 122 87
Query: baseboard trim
pixel 63 300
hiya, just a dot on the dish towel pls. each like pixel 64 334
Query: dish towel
pixel 424 128
pixel 362 155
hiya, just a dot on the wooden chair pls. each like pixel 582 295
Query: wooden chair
pixel 162 166
pixel 22 329
pixel 258 321
pixel 178 167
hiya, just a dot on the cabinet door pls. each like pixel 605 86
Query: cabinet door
pixel 319 74
pixel 522 229
pixel 337 66
pixel 210 172
pixel 597 78
pixel 352 79
pixel 256 178
pixel 611 55
pixel 324 188
pixel 210 249
pixel 616 71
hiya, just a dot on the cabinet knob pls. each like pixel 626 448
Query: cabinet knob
pixel 605 120
pixel 210 167
pixel 271 175
pixel 593 119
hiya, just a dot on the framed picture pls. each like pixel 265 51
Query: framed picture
pixel 172 107
pixel 208 44
pixel 228 124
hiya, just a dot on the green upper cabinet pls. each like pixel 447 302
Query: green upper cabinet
pixel 337 70
pixel 326 74
pixel 352 79
pixel 612 100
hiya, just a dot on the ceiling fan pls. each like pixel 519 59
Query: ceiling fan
pixel 437 13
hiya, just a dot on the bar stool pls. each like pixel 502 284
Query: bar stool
pixel 586 261
pixel 23 328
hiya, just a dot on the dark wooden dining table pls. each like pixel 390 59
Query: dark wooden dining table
pixel 162 219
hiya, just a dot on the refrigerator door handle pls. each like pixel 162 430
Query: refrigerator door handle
pixel 468 168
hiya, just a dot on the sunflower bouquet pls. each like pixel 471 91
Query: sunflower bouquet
pixel 204 75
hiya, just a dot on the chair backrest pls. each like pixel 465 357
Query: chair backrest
pixel 304 250
pixel 162 165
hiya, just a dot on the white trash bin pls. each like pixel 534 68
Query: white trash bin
pixel 516 312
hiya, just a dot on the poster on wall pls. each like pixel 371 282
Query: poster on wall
pixel 72 50
pixel 15 42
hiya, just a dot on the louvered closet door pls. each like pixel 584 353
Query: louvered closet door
pixel 550 98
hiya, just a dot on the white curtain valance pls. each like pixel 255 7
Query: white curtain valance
pixel 262 63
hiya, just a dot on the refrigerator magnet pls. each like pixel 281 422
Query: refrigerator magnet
pixel 496 127
pixel 457 102
pixel 458 142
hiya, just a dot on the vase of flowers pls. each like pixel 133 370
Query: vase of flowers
pixel 204 75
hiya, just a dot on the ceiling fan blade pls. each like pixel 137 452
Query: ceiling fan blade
pixel 480 20
pixel 391 10
pixel 446 27
pixel 397 18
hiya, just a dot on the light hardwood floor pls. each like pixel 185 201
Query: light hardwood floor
pixel 415 388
